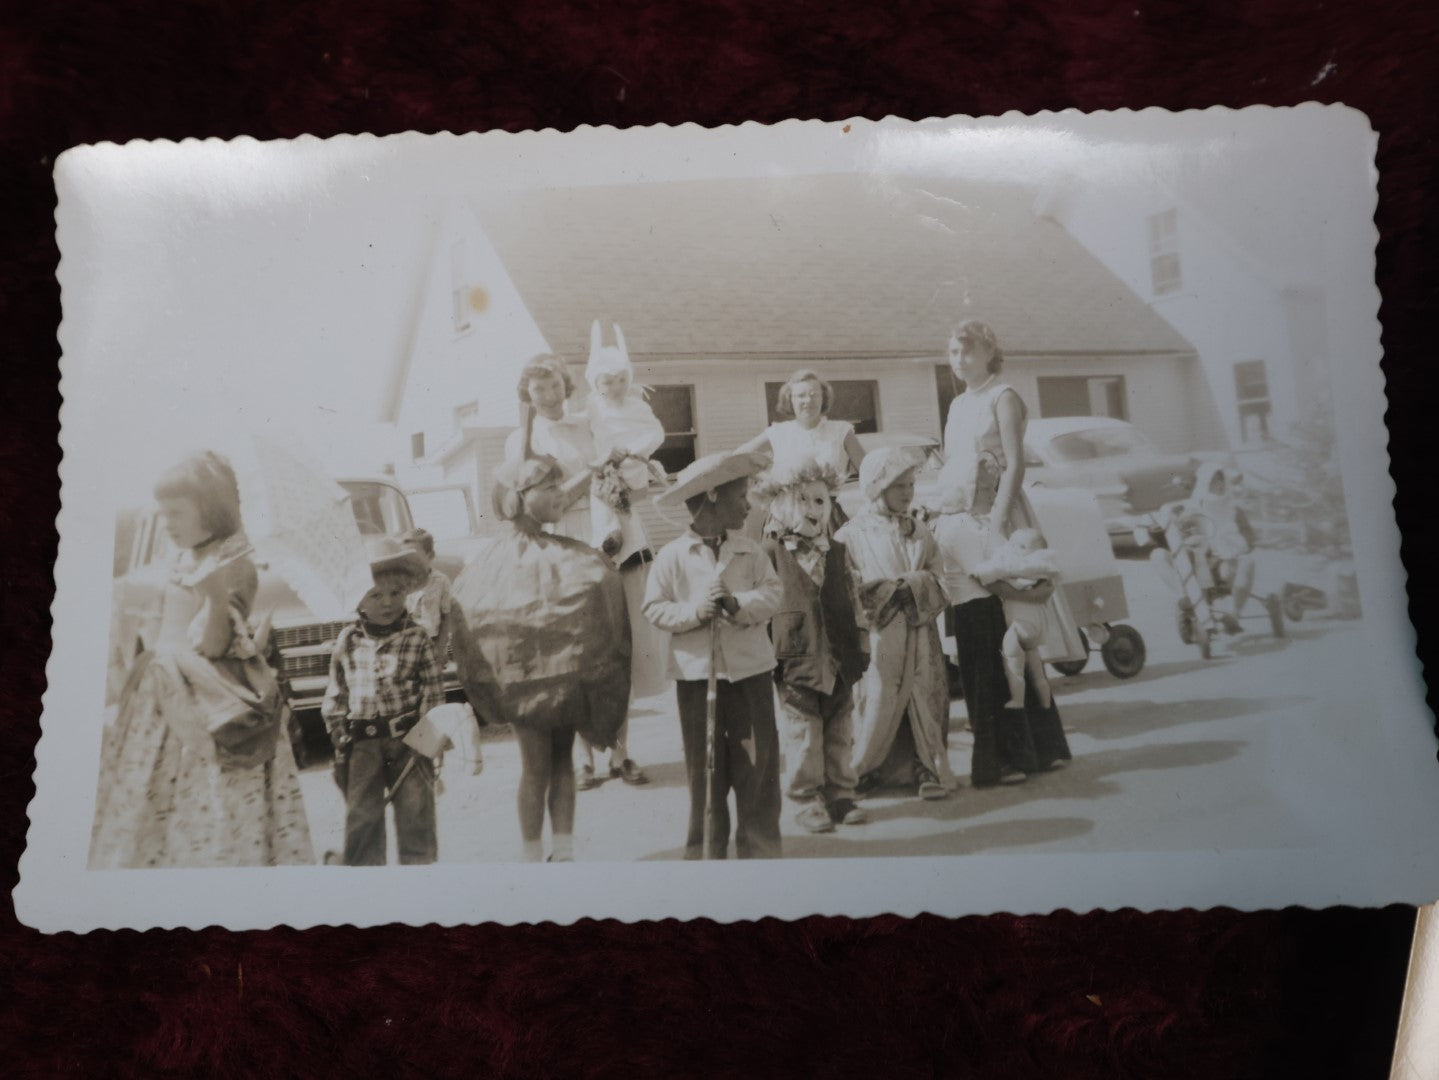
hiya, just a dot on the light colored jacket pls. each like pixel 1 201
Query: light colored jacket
pixel 679 582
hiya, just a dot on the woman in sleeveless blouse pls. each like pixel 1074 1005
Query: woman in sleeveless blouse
pixel 808 435
pixel 984 502
pixel 545 386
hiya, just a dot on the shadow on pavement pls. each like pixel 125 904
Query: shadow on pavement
pixel 1088 777
pixel 1085 777
pixel 1123 719
pixel 850 842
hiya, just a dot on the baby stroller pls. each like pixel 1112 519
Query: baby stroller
pixel 1206 575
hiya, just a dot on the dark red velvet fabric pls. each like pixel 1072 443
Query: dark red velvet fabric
pixel 1189 994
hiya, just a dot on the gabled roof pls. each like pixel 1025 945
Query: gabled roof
pixel 834 265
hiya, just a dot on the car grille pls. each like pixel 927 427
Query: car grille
pixel 306 665
pixel 299 637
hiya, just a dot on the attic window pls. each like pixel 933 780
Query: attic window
pixel 417 446
pixel 1164 252
pixel 459 287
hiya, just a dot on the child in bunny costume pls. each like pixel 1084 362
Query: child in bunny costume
pixel 621 420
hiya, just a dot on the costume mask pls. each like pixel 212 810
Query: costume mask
pixel 802 510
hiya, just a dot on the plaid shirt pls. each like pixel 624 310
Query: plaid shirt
pixel 375 676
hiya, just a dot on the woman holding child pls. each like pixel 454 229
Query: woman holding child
pixel 983 504
pixel 568 439
pixel 196 770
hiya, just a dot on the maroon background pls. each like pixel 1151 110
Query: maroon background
pixel 1176 995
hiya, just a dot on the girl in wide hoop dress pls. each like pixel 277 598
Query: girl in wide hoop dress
pixel 196 770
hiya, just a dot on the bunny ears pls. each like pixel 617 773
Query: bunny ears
pixel 607 359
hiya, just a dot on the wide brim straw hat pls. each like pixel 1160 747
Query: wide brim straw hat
pixel 882 467
pixel 388 556
pixel 707 473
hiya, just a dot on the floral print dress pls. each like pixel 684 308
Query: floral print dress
pixel 170 794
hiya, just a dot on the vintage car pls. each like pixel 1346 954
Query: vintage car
pixel 144 555
pixel 1116 462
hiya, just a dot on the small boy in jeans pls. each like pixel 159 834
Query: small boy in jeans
pixel 714 572
pixel 383 680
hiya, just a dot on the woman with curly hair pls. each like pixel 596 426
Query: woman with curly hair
pixel 552 431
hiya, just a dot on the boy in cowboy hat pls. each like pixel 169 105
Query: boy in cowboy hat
pixel 714 572
pixel 384 679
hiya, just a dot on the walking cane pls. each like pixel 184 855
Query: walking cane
pixel 711 704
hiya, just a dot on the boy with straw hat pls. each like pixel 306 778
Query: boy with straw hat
pixel 714 591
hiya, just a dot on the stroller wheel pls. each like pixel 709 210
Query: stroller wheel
pixel 1124 653
pixel 1275 607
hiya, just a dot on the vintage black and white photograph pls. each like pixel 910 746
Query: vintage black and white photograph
pixel 656 522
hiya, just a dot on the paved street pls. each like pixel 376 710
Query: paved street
pixel 1189 755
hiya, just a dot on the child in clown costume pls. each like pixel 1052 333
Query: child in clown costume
pixel 819 647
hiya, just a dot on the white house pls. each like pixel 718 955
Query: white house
pixel 725 287
pixel 1247 296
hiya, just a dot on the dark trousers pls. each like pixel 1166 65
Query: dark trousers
pixel 1029 739
pixel 375 765
pixel 746 762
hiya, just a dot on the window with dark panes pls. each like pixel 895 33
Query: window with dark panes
pixel 417 446
pixel 947 386
pixel 1251 393
pixel 855 400
pixel 1082 395
pixel 1164 270
pixel 674 407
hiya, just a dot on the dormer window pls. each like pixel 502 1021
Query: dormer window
pixel 1164 252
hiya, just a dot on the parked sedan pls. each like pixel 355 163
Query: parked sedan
pixel 1114 460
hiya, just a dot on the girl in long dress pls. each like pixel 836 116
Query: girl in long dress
pixel 984 503
pixel 902 702
pixel 196 770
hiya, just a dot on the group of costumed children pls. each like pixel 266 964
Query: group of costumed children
pixel 835 625
pixel 549 632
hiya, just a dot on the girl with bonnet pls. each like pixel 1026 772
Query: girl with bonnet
pixel 550 644
pixel 196 770
pixel 902 702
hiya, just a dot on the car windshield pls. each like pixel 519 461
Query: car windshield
pixel 380 510
pixel 444 512
pixel 1105 442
